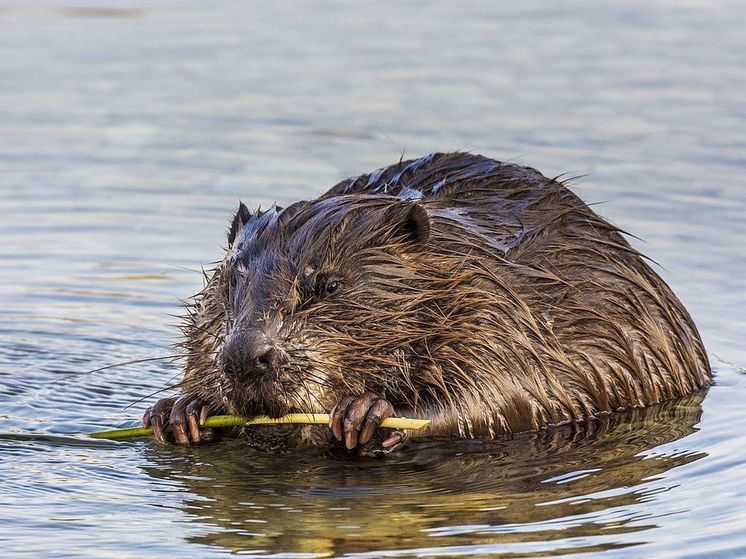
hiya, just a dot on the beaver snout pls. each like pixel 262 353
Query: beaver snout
pixel 249 354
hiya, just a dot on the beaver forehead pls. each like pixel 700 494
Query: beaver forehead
pixel 307 233
pixel 337 221
pixel 270 283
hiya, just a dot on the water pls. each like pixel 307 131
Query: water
pixel 128 132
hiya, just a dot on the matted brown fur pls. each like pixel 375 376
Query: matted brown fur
pixel 477 293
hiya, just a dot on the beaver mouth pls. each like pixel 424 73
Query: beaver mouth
pixel 265 398
pixel 253 408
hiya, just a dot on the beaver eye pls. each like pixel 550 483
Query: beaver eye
pixel 332 286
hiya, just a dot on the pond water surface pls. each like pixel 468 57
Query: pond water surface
pixel 128 132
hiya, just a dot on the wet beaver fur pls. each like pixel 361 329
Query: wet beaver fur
pixel 479 294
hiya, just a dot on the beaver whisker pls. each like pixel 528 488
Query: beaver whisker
pixel 124 364
pixel 207 332
pixel 180 384
pixel 323 383
pixel 316 377
pixel 306 404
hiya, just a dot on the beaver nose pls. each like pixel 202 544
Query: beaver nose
pixel 248 354
pixel 267 359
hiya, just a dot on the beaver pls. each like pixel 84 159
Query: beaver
pixel 479 294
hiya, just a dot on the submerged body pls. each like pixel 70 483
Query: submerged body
pixel 479 294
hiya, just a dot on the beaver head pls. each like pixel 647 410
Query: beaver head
pixel 320 299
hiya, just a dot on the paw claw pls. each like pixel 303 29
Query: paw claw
pixel 184 416
pixel 357 423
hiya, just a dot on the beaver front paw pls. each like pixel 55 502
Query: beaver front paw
pixel 184 415
pixel 358 421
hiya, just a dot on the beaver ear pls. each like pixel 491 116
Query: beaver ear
pixel 412 225
pixel 242 217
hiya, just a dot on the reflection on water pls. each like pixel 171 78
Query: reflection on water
pixel 548 489
pixel 128 132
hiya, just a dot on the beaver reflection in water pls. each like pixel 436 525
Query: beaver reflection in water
pixel 479 294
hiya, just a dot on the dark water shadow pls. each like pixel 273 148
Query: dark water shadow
pixel 576 488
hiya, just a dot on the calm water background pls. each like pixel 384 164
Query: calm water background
pixel 128 131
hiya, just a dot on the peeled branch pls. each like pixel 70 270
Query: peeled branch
pixel 237 421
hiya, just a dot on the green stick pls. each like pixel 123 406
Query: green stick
pixel 237 421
